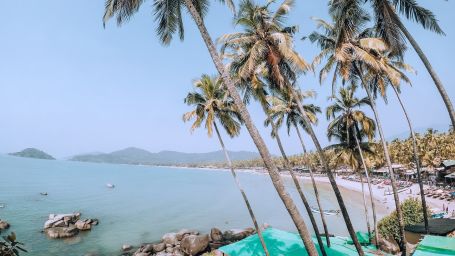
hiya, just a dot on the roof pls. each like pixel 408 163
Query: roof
pixel 435 246
pixel 436 227
pixel 280 242
pixel 448 163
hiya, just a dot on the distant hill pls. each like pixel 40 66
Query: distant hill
pixel 140 156
pixel 33 153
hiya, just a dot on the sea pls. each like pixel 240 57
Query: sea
pixel 146 203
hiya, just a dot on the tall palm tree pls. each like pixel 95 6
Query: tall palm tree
pixel 283 108
pixel 256 88
pixel 345 126
pixel 391 75
pixel 267 43
pixel 349 48
pixel 211 104
pixel 391 29
pixel 169 17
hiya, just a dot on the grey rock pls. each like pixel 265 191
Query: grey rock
pixel 4 225
pixel 61 232
pixel 216 235
pixel 170 238
pixel 83 225
pixel 127 247
pixel 237 234
pixel 159 247
pixel 194 244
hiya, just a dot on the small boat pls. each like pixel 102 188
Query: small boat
pixel 109 185
pixel 43 193
pixel 326 212
pixel 2 205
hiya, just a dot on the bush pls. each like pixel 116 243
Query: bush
pixel 412 214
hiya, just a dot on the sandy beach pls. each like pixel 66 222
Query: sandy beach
pixel 387 201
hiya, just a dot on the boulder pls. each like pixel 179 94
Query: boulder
pixel 148 248
pixel 387 246
pixel 234 235
pixel 83 225
pixel 127 247
pixel 57 218
pixel 159 247
pixel 170 238
pixel 141 254
pixel 216 235
pixel 184 232
pixel 4 225
pixel 61 232
pixel 194 244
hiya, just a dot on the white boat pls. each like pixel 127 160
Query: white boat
pixel 2 205
pixel 109 185
pixel 326 212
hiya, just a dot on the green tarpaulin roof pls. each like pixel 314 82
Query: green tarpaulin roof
pixel 436 246
pixel 282 243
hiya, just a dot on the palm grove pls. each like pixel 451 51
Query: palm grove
pixel 362 47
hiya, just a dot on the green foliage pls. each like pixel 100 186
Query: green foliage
pixel 412 214
pixel 11 247
pixel 33 153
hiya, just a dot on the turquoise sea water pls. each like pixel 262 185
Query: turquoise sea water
pixel 146 203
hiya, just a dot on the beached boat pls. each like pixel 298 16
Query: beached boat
pixel 326 212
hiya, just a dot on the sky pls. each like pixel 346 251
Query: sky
pixel 69 86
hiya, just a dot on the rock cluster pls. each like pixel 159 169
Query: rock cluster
pixel 3 225
pixel 67 225
pixel 188 242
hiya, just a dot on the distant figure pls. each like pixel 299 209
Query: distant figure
pixel 43 193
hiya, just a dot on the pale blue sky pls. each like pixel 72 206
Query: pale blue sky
pixel 68 86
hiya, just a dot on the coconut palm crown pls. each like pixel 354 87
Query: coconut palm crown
pixel 212 103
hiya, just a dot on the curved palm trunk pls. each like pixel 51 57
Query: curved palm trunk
pixel 332 180
pixel 416 159
pixel 388 162
pixel 367 219
pixel 315 188
pixel 237 182
pixel 373 207
pixel 254 133
pixel 431 71
pixel 288 166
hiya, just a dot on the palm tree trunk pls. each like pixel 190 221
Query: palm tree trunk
pixel 325 165
pixel 315 188
pixel 431 71
pixel 254 133
pixel 288 166
pixel 367 219
pixel 416 159
pixel 373 207
pixel 388 162
pixel 237 182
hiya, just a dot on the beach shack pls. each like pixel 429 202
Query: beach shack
pixel 437 227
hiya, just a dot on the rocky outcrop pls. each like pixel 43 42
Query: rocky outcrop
pixel 188 242
pixel 4 225
pixel 67 225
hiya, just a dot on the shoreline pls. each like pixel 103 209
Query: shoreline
pixel 386 202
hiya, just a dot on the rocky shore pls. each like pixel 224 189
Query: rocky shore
pixel 67 225
pixel 188 242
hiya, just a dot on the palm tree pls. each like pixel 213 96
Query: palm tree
pixel 391 76
pixel 283 108
pixel 348 49
pixel 347 119
pixel 267 43
pixel 169 17
pixel 390 28
pixel 212 103
pixel 256 88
